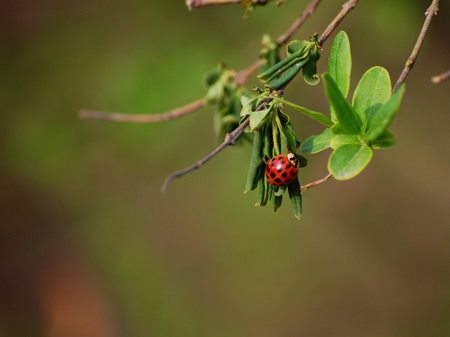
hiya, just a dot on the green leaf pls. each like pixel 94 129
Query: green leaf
pixel 383 117
pixel 346 117
pixel 286 76
pixel 258 118
pixel 295 46
pixel 310 69
pixel 280 191
pixel 372 91
pixel 385 140
pixel 255 162
pixel 340 62
pixel 277 201
pixel 349 160
pixel 315 115
pixel 247 106
pixel 318 143
pixel 295 195
pixel 339 140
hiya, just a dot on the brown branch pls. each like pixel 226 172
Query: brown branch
pixel 430 12
pixel 144 118
pixel 230 139
pixel 346 8
pixel 316 182
pixel 309 10
pixel 240 79
pixel 441 77
pixel 191 4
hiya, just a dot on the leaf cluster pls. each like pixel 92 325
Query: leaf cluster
pixel 360 127
pixel 273 135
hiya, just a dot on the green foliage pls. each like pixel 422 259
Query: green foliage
pixel 354 130
pixel 225 96
pixel 300 54
pixel 273 135
pixel 360 127
pixel 348 160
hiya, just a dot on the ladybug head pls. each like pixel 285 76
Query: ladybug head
pixel 292 159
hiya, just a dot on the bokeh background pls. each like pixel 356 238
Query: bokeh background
pixel 90 247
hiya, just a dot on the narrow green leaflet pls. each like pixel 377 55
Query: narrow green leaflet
pixel 310 69
pixel 295 195
pixel 340 62
pixel 255 162
pixel 315 115
pixel 318 143
pixel 385 140
pixel 346 117
pixel 339 140
pixel 277 201
pixel 383 117
pixel 258 118
pixel 349 160
pixel 372 91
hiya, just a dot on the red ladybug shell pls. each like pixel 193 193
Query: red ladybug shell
pixel 280 171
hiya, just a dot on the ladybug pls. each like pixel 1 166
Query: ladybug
pixel 282 169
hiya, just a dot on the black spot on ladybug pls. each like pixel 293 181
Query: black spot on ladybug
pixel 278 180
pixel 273 164
pixel 272 174
pixel 284 175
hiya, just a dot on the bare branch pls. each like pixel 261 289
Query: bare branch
pixel 230 139
pixel 191 4
pixel 430 12
pixel 346 8
pixel 316 183
pixel 144 118
pixel 309 10
pixel 441 77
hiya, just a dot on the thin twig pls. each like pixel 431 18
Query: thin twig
pixel 309 10
pixel 430 12
pixel 230 139
pixel 346 8
pixel 240 79
pixel 316 182
pixel 191 4
pixel 144 118
pixel 441 77
pixel 233 136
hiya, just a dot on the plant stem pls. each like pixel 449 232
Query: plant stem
pixel 316 182
pixel 230 139
pixel 346 8
pixel 441 77
pixel 144 118
pixel 309 10
pixel 430 12
pixel 191 4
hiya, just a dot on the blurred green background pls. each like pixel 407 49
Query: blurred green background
pixel 90 247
